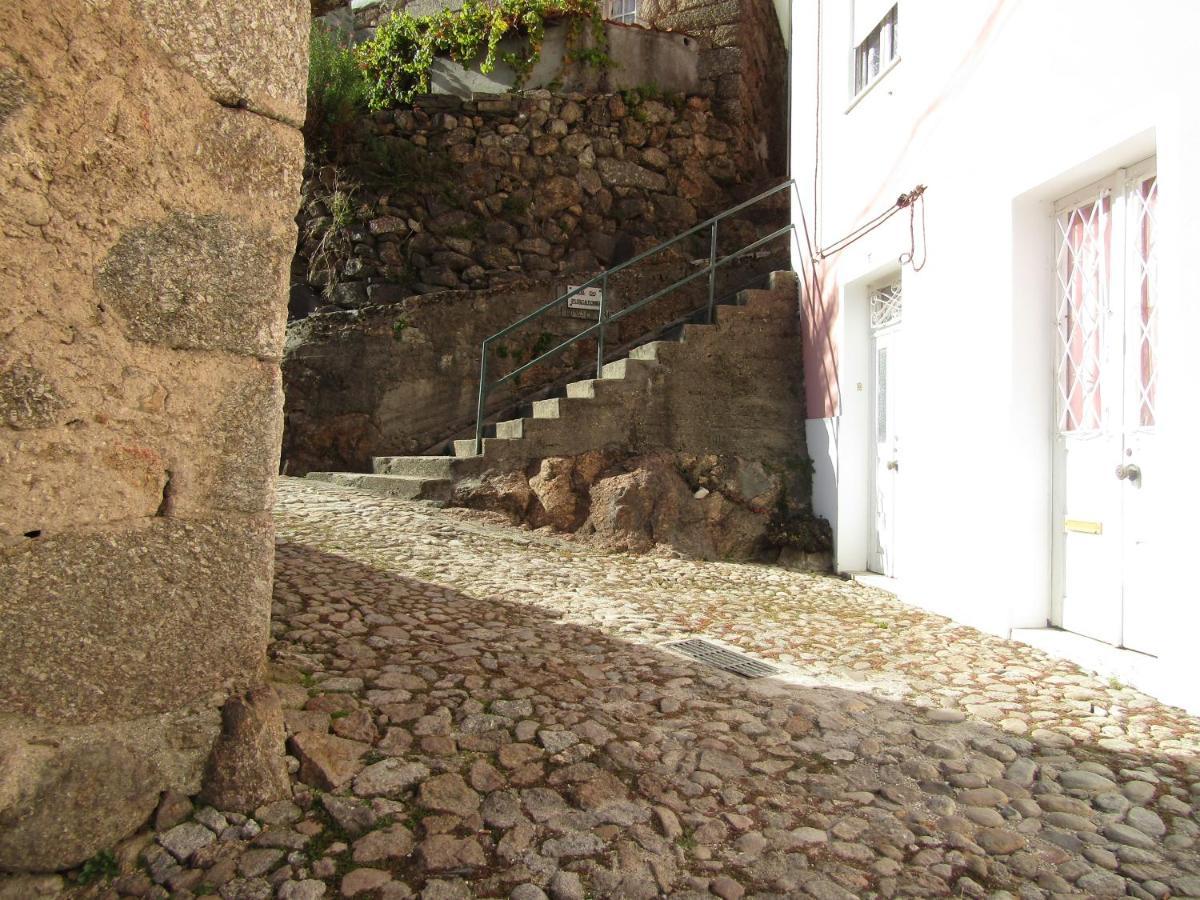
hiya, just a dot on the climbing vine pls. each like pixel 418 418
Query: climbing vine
pixel 397 61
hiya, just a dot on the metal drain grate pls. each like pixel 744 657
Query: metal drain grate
pixel 729 660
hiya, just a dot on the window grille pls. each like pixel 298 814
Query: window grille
pixel 1107 285
pixel 885 306
pixel 877 50
pixel 881 423
pixel 1084 262
pixel 1143 203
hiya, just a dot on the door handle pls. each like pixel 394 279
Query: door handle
pixel 893 465
pixel 1128 472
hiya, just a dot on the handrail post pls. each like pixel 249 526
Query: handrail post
pixel 483 392
pixel 603 321
pixel 712 271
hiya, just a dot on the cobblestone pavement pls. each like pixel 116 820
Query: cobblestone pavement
pixel 481 711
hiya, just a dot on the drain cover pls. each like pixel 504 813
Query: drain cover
pixel 729 660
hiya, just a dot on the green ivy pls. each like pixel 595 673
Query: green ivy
pixel 398 59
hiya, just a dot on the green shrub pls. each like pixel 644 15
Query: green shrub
pixel 398 59
pixel 337 86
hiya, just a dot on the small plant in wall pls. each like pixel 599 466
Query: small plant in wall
pixel 330 245
pixel 397 61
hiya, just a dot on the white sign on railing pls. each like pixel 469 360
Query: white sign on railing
pixel 588 298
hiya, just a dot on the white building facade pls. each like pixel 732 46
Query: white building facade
pixel 1005 424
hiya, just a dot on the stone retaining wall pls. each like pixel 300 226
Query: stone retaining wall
pixel 150 155
pixel 745 61
pixel 453 194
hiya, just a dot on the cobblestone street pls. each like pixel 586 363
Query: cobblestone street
pixel 481 711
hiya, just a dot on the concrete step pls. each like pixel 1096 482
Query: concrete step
pixel 627 368
pixel 395 486
pixel 554 408
pixel 414 466
pixel 512 429
pixel 465 449
pixel 656 351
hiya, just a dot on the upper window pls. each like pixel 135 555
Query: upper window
pixel 876 51
pixel 623 11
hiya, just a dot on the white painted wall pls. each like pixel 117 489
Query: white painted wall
pixel 1000 107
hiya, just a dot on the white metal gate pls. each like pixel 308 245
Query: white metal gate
pixel 1104 472
pixel 885 308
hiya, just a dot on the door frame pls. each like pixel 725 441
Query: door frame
pixel 1117 182
pixel 889 331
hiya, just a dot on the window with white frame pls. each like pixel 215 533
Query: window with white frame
pixel 624 11
pixel 876 51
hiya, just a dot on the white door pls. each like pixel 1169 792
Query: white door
pixel 1104 449
pixel 885 342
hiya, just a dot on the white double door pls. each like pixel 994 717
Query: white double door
pixel 1105 460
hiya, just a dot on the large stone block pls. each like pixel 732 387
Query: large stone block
pixel 122 623
pixel 244 54
pixel 246 429
pixel 198 282
pixel 58 803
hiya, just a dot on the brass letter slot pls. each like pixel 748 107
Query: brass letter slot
pixel 1079 526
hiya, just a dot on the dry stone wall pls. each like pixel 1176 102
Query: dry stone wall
pixel 150 156
pixel 744 61
pixel 452 194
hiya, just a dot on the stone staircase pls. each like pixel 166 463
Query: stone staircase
pixel 616 410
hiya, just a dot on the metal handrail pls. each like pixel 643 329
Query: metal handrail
pixel 604 319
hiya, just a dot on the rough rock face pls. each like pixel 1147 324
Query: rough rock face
pixel 247 769
pixel 149 158
pixel 634 503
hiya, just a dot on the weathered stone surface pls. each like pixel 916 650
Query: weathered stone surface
pixel 326 762
pixel 184 840
pixel 622 173
pixel 13 94
pixel 386 844
pixel 60 806
pixel 448 793
pixel 247 768
pixel 197 282
pixel 28 398
pixel 134 603
pixel 246 428
pixel 389 778
pixel 160 590
pixel 220 45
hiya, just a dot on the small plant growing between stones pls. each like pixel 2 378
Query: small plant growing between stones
pixel 101 867
pixel 398 328
pixel 339 714
pixel 330 244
